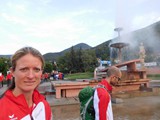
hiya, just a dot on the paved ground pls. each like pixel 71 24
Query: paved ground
pixel 46 87
pixel 2 89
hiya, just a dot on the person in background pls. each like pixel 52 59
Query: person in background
pixel 21 101
pixel 9 78
pixel 102 99
pixel 60 76
pixel 1 79
pixel 45 77
pixel 42 78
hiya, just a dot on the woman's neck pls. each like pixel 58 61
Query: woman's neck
pixel 29 99
pixel 27 95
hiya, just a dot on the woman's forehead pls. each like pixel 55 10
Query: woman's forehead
pixel 28 59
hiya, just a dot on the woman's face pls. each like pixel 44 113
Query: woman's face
pixel 27 73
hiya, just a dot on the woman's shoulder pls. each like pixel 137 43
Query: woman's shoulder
pixel 4 102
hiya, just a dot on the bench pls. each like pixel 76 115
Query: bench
pixel 144 82
pixel 71 89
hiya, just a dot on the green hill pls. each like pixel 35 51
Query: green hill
pixel 54 56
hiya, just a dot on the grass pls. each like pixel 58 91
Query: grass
pixel 86 75
pixel 154 77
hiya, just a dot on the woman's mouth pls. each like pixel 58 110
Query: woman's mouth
pixel 29 82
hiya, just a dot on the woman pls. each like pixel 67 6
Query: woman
pixel 22 101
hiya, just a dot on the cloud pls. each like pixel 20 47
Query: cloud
pixel 14 38
pixel 83 12
pixel 10 46
pixel 45 2
pixel 53 26
pixel 145 20
pixel 13 19
pixel 20 8
pixel 16 6
pixel 58 29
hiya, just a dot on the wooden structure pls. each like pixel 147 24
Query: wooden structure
pixel 70 89
pixel 131 72
pixel 132 77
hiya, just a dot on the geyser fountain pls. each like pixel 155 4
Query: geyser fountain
pixel 119 46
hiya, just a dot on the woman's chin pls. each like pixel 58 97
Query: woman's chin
pixel 28 88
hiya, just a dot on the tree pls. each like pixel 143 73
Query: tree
pixel 73 60
pixel 48 67
pixel 89 60
pixel 103 51
pixel 78 61
pixel 4 65
pixel 80 65
pixel 64 63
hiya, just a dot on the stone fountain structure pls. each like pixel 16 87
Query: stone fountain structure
pixel 132 76
pixel 119 46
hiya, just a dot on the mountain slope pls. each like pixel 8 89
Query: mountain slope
pixel 54 56
pixel 5 56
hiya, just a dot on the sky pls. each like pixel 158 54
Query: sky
pixel 55 25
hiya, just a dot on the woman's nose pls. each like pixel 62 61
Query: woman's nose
pixel 30 73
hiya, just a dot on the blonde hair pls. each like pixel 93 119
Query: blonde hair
pixel 22 52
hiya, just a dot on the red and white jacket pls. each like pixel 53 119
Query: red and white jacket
pixel 9 76
pixel 1 78
pixel 16 108
pixel 102 102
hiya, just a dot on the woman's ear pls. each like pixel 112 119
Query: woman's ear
pixel 12 71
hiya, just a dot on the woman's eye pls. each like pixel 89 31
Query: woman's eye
pixel 24 69
pixel 37 70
